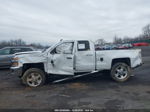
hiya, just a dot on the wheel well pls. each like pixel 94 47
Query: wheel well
pixel 123 60
pixel 32 65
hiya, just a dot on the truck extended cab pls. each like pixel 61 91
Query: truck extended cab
pixel 72 57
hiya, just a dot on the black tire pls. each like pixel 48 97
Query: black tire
pixel 120 74
pixel 39 77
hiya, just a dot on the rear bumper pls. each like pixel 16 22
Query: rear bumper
pixel 17 71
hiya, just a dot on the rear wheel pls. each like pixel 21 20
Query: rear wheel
pixel 120 72
pixel 33 77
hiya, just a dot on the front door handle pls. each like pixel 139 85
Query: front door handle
pixel 89 55
pixel 69 57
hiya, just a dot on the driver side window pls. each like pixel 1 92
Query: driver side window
pixel 64 48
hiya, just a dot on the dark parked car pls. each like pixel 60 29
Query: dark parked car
pixel 6 54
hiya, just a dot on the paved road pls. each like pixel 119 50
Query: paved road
pixel 92 92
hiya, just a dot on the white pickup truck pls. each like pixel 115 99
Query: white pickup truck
pixel 74 57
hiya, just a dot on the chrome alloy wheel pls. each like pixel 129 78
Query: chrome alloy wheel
pixel 34 79
pixel 121 72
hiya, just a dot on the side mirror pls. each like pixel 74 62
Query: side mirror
pixel 53 51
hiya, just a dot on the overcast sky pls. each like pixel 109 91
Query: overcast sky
pixel 48 21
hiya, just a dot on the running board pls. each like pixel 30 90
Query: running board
pixel 73 77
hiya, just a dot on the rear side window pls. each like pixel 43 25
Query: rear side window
pixel 15 50
pixel 83 46
pixel 26 49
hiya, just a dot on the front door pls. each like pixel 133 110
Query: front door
pixel 61 59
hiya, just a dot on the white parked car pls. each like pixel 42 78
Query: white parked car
pixel 72 57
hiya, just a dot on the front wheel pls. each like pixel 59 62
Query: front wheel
pixel 33 77
pixel 120 72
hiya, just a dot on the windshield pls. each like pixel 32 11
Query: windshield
pixel 48 48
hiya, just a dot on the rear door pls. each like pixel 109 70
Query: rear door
pixel 84 57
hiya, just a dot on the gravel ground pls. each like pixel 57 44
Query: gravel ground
pixel 94 92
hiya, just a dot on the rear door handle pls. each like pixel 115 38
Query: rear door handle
pixel 69 57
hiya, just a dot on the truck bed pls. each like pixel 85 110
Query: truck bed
pixel 104 57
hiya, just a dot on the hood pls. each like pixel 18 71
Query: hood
pixel 31 57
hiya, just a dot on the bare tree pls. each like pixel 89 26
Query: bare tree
pixel 117 40
pixel 20 42
pixel 146 31
pixel 100 42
